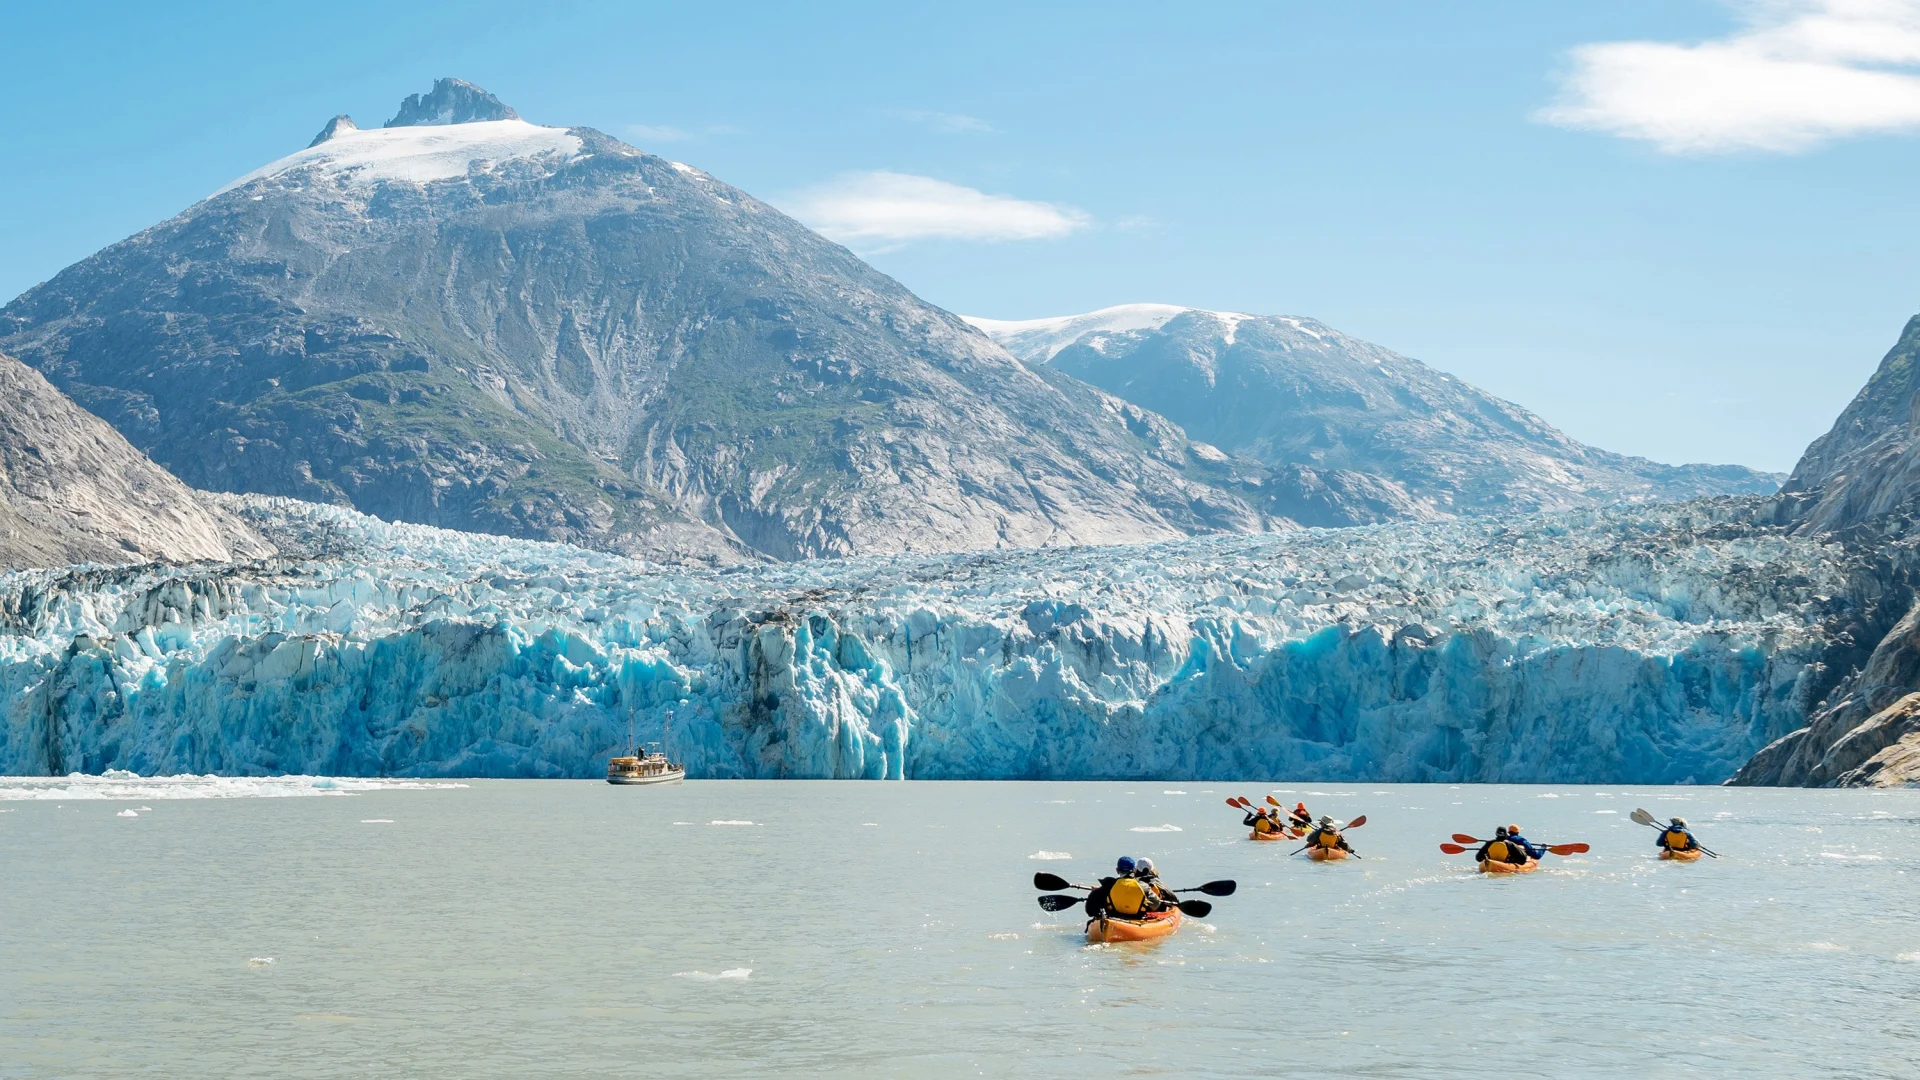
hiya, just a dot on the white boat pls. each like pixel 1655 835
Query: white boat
pixel 639 768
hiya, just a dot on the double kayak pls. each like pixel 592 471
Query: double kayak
pixel 1119 928
pixel 1326 854
pixel 1496 866
pixel 1681 856
pixel 1256 834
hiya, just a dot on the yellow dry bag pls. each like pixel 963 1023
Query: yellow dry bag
pixel 1127 896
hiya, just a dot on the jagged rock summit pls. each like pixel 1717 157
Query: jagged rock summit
pixel 1295 393
pixel 469 320
pixel 451 101
pixel 336 127
pixel 72 490
pixel 1868 464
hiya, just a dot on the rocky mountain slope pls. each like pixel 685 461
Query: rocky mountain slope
pixel 1294 393
pixel 1868 464
pixel 72 490
pixel 465 319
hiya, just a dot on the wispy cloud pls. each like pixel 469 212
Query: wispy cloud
pixel 945 123
pixel 891 208
pixel 657 133
pixel 1798 74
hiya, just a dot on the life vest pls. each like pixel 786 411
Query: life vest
pixel 1128 896
pixel 1326 838
pixel 1263 824
pixel 1676 839
pixel 1497 850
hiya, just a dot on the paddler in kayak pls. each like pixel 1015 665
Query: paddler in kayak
pixel 1325 836
pixel 1159 897
pixel 1300 818
pixel 1532 849
pixel 1502 849
pixel 1677 837
pixel 1099 901
pixel 1260 822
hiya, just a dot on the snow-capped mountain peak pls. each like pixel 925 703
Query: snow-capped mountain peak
pixel 420 155
pixel 1038 340
pixel 336 127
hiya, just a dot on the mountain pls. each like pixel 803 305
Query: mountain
pixel 1868 463
pixel 1292 392
pixel 469 320
pixel 72 490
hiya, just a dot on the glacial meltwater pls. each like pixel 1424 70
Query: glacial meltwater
pixel 522 928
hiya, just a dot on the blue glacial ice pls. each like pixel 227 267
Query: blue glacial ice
pixel 1652 644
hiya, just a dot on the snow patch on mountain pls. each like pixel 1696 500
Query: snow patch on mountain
pixel 1038 340
pixel 420 155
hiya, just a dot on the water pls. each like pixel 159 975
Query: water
pixel 515 928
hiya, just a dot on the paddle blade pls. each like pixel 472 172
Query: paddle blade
pixel 1463 838
pixel 1453 849
pixel 1357 822
pixel 1059 902
pixel 1570 849
pixel 1271 801
pixel 1199 909
pixel 1050 882
pixel 1214 888
pixel 1233 802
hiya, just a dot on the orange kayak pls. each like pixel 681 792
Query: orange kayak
pixel 1490 866
pixel 1681 856
pixel 1116 928
pixel 1256 834
pixel 1322 854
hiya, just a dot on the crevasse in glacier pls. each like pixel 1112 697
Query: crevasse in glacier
pixel 1656 644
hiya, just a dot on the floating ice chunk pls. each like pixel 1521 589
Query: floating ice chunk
pixel 729 822
pixel 1155 828
pixel 707 976
pixel 126 813
pixel 1170 791
pixel 1043 854
pixel 376 821
pixel 259 961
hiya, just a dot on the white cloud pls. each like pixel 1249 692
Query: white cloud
pixel 1798 74
pixel 890 208
pixel 947 123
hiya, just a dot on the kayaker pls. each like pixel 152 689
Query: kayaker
pixel 1301 819
pixel 1533 851
pixel 1100 900
pixel 1677 837
pixel 1261 823
pixel 1326 836
pixel 1499 849
pixel 1159 897
pixel 1132 895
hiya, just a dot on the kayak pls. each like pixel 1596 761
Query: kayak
pixel 1321 854
pixel 1490 866
pixel 1117 928
pixel 1681 856
pixel 1256 834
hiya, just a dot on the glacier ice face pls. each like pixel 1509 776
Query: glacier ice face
pixel 1660 644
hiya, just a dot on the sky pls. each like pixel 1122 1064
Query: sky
pixel 1675 228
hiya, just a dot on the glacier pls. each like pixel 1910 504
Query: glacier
pixel 1651 644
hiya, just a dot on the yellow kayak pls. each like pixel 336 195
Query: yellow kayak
pixel 1117 928
pixel 1256 834
pixel 1326 854
pixel 1492 866
pixel 1681 856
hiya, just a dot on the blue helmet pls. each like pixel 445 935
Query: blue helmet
pixel 1124 866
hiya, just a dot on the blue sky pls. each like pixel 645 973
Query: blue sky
pixel 1693 248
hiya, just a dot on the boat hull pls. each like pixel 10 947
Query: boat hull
pixel 1258 835
pixel 671 776
pixel 1681 856
pixel 1495 866
pixel 1321 854
pixel 1114 928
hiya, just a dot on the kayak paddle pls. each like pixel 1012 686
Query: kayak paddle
pixel 1196 908
pixel 1355 823
pixel 1214 888
pixel 1453 849
pixel 1060 902
pixel 1557 849
pixel 1054 882
pixel 1463 838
